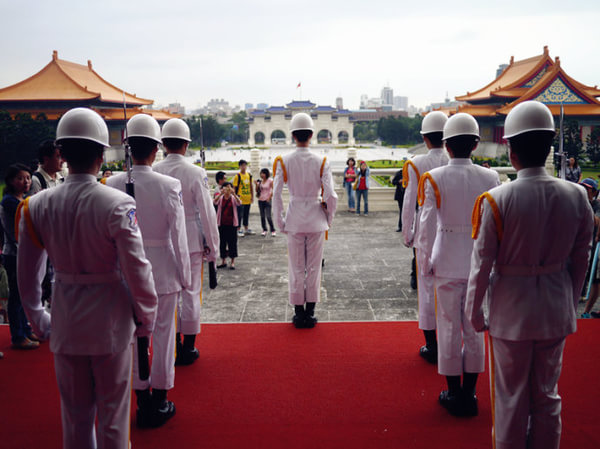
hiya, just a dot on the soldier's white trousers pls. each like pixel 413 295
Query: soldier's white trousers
pixel 95 386
pixel 525 380
pixel 188 313
pixel 425 295
pixel 162 372
pixel 305 255
pixel 460 348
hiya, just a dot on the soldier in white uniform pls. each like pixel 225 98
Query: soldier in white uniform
pixel 201 227
pixel 103 289
pixel 309 214
pixel 431 130
pixel 449 193
pixel 534 236
pixel 161 219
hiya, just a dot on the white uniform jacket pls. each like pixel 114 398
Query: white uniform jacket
pixel 412 172
pixel 302 172
pixel 539 241
pixel 201 220
pixel 102 275
pixel 450 193
pixel 161 218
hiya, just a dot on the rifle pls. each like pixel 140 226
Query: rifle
pixel 562 157
pixel 142 342
pixel 212 272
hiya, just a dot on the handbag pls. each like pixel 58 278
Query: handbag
pixel 355 186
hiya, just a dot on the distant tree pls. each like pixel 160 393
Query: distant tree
pixel 399 130
pixel 237 132
pixel 572 142
pixel 21 136
pixel 365 131
pixel 592 143
pixel 212 133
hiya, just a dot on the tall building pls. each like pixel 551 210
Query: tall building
pixel 176 108
pixel 364 100
pixel 262 105
pixel 248 106
pixel 339 103
pixel 387 96
pixel 400 103
pixel 500 69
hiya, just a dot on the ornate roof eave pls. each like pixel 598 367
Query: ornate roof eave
pixel 488 90
pixel 556 72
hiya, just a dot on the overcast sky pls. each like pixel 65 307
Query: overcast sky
pixel 258 51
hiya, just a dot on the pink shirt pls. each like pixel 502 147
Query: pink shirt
pixel 266 188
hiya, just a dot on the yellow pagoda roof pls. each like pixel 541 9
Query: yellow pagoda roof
pixel 514 79
pixel 556 88
pixel 62 80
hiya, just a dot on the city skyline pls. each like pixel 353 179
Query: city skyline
pixel 258 52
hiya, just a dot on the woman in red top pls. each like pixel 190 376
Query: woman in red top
pixel 349 178
pixel 362 189
pixel 227 220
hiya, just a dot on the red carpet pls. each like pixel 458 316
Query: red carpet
pixel 350 385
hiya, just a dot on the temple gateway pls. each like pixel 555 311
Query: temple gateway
pixel 271 126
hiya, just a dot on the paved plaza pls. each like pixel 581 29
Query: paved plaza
pixel 366 276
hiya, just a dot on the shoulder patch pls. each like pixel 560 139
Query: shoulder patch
pixel 132 216
pixel 205 182
pixel 181 197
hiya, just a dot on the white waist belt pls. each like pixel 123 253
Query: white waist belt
pixel 88 278
pixel 156 243
pixel 529 270
pixel 457 228
pixel 303 198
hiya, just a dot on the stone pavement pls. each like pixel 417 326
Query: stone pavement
pixel 365 278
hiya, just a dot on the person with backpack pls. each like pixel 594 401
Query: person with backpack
pixel 48 173
pixel 242 184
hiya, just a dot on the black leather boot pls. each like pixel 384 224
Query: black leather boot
pixel 163 410
pixel 309 319
pixel 429 351
pixel 144 412
pixel 298 319
pixel 187 353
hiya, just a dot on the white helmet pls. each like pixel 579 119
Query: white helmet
pixel 143 125
pixel 461 124
pixel 528 116
pixel 82 123
pixel 301 121
pixel 434 122
pixel 176 128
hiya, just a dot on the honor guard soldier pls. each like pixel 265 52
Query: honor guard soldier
pixel 431 130
pixel 449 193
pixel 201 228
pixel 104 290
pixel 161 219
pixel 534 236
pixel 307 219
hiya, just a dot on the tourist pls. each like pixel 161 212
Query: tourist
pixel 106 173
pixel 227 204
pixel 349 178
pixel 535 281
pixel 399 196
pixel 308 177
pixel 362 187
pixel 591 287
pixel 47 176
pixel 104 290
pixel 161 219
pixel 220 178
pixel 264 190
pixel 431 131
pixel 48 173
pixel 449 192
pixel 201 227
pixel 17 184
pixel 242 183
pixel 573 170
